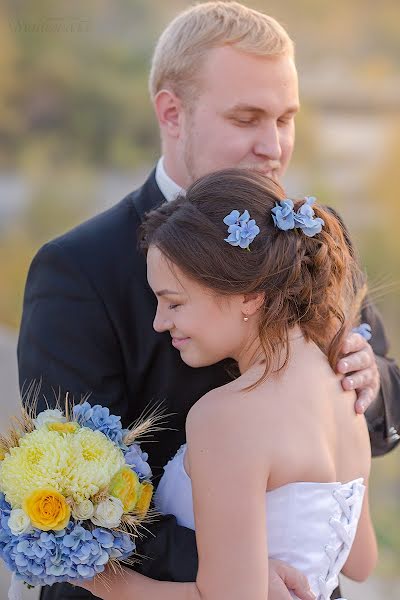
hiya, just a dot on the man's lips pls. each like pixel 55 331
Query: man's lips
pixel 179 342
pixel 270 171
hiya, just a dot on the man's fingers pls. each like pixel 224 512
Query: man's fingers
pixel 360 380
pixel 353 343
pixel 365 398
pixel 363 359
pixel 294 581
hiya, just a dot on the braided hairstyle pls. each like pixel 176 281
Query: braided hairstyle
pixel 312 282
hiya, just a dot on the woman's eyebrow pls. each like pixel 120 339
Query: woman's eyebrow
pixel 165 292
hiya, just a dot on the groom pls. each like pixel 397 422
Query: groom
pixel 224 88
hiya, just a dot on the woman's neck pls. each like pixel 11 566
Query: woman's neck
pixel 253 356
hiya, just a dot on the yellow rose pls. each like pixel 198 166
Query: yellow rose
pixel 146 493
pixel 125 485
pixel 47 510
pixel 63 427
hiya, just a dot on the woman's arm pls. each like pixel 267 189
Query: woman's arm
pixel 125 584
pixel 229 471
pixel 229 474
pixel 364 552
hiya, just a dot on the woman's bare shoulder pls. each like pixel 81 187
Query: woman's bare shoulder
pixel 231 411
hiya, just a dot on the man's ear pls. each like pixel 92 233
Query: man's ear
pixel 251 303
pixel 168 108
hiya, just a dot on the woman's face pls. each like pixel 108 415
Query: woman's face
pixel 204 327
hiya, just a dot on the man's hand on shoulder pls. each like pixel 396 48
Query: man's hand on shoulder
pixel 358 365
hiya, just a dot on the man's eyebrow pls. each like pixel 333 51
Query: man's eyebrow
pixel 256 109
pixel 167 292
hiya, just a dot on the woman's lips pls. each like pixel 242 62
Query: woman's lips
pixel 179 342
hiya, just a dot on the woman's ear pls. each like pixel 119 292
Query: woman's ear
pixel 251 303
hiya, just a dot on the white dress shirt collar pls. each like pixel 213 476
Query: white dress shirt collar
pixel 169 189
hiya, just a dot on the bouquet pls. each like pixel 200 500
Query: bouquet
pixel 74 490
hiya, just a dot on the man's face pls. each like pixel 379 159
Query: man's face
pixel 243 116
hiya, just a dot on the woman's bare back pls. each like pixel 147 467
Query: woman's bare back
pixel 310 429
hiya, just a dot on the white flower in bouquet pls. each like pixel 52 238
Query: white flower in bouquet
pixel 108 513
pixel 49 416
pixel 19 522
pixel 83 511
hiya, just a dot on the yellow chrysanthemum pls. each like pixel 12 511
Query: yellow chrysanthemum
pixel 74 465
pixel 42 459
pixel 96 460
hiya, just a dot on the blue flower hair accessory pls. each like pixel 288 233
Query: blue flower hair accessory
pixel 285 217
pixel 365 330
pixel 242 230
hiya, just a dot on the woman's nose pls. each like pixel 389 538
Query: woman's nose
pixel 160 323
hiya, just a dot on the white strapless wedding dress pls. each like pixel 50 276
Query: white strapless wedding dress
pixel 310 526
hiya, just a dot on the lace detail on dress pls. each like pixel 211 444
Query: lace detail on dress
pixel 344 525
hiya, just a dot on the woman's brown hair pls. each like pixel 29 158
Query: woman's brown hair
pixel 312 282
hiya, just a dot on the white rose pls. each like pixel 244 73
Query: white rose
pixel 49 416
pixel 19 522
pixel 84 510
pixel 108 513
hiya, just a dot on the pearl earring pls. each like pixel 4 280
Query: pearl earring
pixel 245 319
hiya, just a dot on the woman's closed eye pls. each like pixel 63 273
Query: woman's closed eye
pixel 173 306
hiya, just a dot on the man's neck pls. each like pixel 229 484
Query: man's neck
pixel 177 177
pixel 168 186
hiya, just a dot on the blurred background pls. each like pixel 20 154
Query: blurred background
pixel 77 132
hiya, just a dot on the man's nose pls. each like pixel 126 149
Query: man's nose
pixel 268 143
pixel 161 323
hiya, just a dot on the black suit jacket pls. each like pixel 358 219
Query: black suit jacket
pixel 87 327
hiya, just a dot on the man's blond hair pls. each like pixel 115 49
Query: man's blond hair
pixel 181 48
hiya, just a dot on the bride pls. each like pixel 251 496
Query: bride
pixel 276 462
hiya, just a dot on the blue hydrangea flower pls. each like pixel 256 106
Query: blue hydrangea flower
pixel 235 217
pixel 304 218
pixel 5 507
pixel 242 230
pixel 365 330
pixel 137 459
pixel 79 534
pixel 123 547
pixel 286 218
pixel 104 537
pixel 283 215
pixel 99 418
pixel 44 558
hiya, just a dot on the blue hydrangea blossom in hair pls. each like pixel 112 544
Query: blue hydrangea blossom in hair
pixel 285 217
pixel 365 330
pixel 242 230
